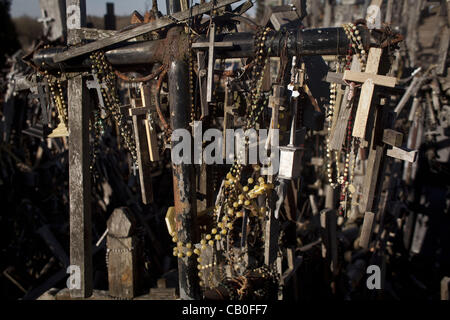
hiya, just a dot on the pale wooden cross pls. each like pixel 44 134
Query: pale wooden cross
pixel 210 45
pixel 146 141
pixel 369 78
pixel 277 102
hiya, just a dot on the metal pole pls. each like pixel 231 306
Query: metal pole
pixel 183 180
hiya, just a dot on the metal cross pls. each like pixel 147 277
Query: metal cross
pixel 211 45
pixel 95 84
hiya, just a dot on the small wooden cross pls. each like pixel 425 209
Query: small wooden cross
pixel 146 141
pixel 277 102
pixel 211 45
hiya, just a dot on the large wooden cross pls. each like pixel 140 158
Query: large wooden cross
pixel 370 79
pixel 79 162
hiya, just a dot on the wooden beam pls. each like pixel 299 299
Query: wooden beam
pixel 403 154
pixel 366 230
pixel 336 78
pixel 374 160
pixel 162 22
pixel 365 100
pixel 340 130
pixel 392 138
pixel 443 51
pixel 79 161
pixel 363 77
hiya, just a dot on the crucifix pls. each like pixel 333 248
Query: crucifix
pixel 381 137
pixel 369 78
pixel 146 141
pixel 210 72
pixel 95 84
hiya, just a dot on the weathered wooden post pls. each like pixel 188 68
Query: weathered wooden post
pixel 79 174
pixel 122 254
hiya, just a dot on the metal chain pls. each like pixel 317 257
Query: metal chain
pixel 107 77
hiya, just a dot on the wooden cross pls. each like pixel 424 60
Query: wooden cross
pixel 79 161
pixel 369 79
pixel 146 141
pixel 277 102
pixel 210 45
